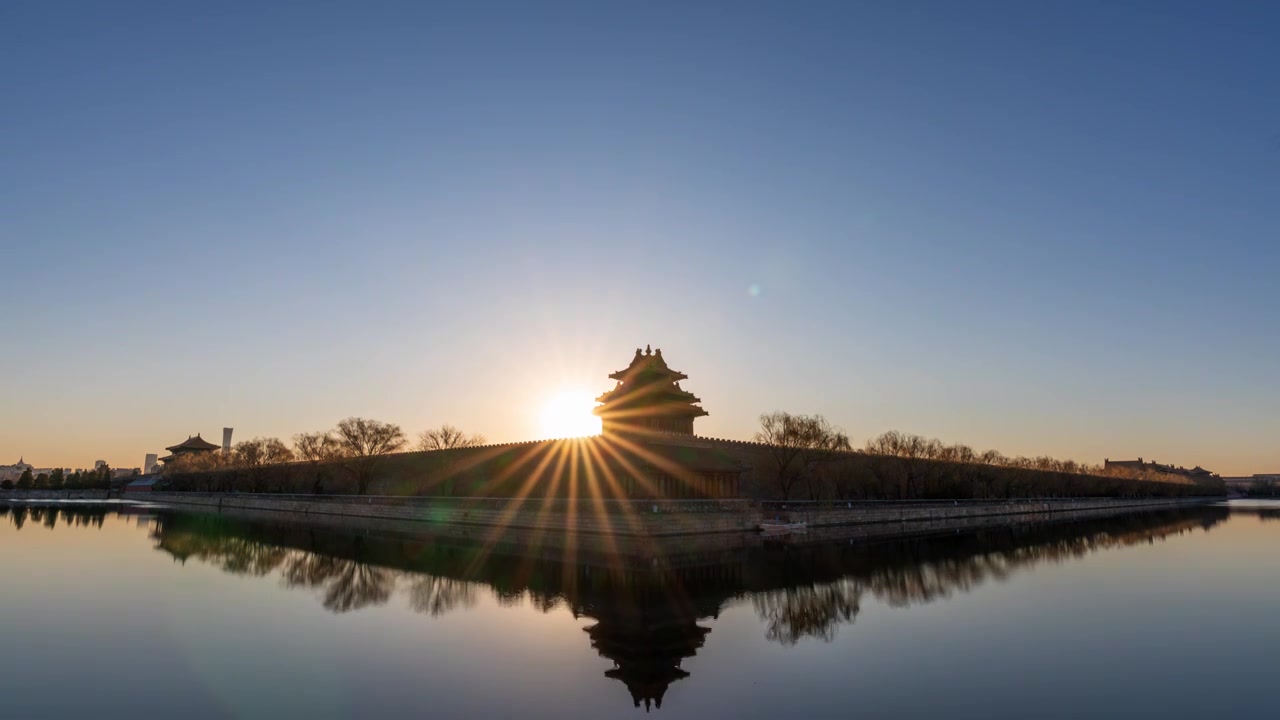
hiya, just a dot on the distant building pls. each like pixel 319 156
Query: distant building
pixel 191 446
pixel 1195 473
pixel 1245 482
pixel 14 471
pixel 144 483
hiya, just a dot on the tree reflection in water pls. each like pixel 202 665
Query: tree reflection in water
pixel 816 611
pixel 1268 514
pixel 647 606
pixel 436 596
pixel 925 570
pixel 344 584
pixel 48 515
pixel 358 585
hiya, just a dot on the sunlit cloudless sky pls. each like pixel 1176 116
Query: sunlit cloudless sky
pixel 1047 228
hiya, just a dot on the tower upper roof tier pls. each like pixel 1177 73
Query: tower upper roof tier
pixel 650 363
pixel 650 385
pixel 196 443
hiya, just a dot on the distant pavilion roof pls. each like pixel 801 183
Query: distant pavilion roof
pixel 192 444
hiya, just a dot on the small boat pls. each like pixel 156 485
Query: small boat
pixel 772 527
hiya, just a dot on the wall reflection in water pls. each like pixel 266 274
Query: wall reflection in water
pixel 646 597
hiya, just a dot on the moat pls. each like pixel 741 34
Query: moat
pixel 117 610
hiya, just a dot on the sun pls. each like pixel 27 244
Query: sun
pixel 568 414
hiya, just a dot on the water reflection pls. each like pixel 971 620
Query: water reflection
pixel 647 600
pixel 808 611
pixel 819 588
pixel 346 584
pixel 48 515
pixel 436 596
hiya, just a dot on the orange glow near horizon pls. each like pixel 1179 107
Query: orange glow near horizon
pixel 567 413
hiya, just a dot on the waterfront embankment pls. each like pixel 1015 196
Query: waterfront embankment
pixel 657 518
pixel 31 495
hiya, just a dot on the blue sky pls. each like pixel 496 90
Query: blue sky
pixel 1048 228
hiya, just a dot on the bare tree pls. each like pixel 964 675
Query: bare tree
pixel 447 436
pixel 957 453
pixel 913 449
pixel 362 442
pixel 796 442
pixel 254 455
pixel 316 448
pixel 993 457
pixel 260 451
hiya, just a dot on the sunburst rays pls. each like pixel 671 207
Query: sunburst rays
pixel 593 485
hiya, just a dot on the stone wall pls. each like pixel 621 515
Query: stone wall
pixel 904 512
pixel 600 468
pixel 661 517
pixel 658 518
pixel 859 475
pixel 595 467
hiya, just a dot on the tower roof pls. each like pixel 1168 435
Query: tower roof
pixel 648 362
pixel 649 387
pixel 196 443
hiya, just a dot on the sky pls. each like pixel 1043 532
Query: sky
pixel 1047 228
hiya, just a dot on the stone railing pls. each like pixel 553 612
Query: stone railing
pixel 659 517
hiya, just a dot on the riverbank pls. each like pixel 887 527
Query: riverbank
pixel 660 518
pixel 55 495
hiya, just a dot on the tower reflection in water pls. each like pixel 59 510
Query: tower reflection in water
pixel 645 596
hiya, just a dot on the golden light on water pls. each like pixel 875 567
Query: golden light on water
pixel 567 413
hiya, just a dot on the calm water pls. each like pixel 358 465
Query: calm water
pixel 133 612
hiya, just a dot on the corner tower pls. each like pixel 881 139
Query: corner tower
pixel 648 398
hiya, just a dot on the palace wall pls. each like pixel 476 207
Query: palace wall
pixel 671 466
pixel 863 476
pixel 582 467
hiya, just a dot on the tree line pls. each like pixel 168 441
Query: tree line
pixel 354 445
pixel 815 459
pixel 798 457
pixel 97 479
